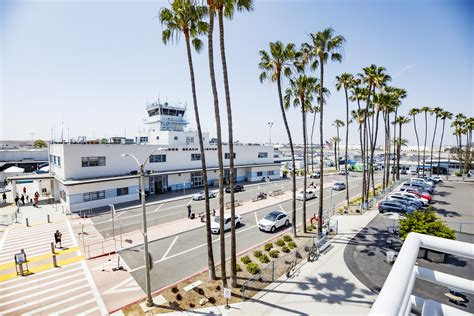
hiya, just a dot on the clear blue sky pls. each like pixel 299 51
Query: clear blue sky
pixel 98 62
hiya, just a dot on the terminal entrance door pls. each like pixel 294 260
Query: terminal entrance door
pixel 158 184
pixel 196 179
pixel 227 175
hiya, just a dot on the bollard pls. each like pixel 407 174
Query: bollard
pixel 55 262
pixel 27 222
pixel 52 248
pixel 49 219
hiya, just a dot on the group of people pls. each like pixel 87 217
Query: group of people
pixel 24 197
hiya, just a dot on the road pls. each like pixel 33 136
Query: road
pixel 178 256
pixel 168 211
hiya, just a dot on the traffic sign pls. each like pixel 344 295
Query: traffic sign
pixel 227 293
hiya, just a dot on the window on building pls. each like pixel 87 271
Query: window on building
pixel 93 161
pixel 59 161
pixel 122 191
pixel 259 173
pixel 92 196
pixel 262 155
pixel 158 158
pixel 271 172
pixel 189 140
pixel 227 155
pixel 195 157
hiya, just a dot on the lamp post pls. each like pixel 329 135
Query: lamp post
pixel 270 124
pixel 149 299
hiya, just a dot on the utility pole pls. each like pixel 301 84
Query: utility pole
pixel 270 124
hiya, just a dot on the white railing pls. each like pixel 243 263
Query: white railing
pixel 396 297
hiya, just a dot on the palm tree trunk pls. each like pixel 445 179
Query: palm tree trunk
pixel 432 145
pixel 399 147
pixel 440 145
pixel 396 174
pixel 290 140
pixel 347 141
pixel 233 245
pixel 362 152
pixel 336 150
pixel 460 153
pixel 417 144
pixel 312 151
pixel 210 253
pixel 389 159
pixel 373 151
pixel 305 170
pixel 321 150
pixel 424 146
pixel 219 144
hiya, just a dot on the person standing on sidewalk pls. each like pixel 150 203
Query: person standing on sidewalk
pixel 36 201
pixel 24 190
pixel 17 199
pixel 4 197
pixel 57 239
pixel 22 199
pixel 189 210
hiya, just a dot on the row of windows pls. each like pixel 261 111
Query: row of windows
pixel 158 158
pixel 92 196
pixel 195 157
pixel 262 155
pixel 56 160
pixel 93 161
pixel 227 155
pixel 269 173
pixel 122 191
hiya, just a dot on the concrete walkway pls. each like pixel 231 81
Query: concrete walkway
pixel 324 287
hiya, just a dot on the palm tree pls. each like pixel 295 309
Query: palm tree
pixel 337 124
pixel 314 110
pixel 414 112
pixel 184 17
pixel 444 116
pixel 227 7
pixel 437 112
pixel 274 64
pixel 212 11
pixel 324 45
pixel 335 141
pixel 400 120
pixel 346 80
pixel 300 94
pixel 458 125
pixel 380 101
pixel 402 94
pixel 426 110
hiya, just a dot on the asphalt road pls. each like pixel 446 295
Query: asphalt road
pixel 131 220
pixel 176 257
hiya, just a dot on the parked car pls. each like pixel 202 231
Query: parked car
pixel 315 175
pixel 237 188
pixel 201 195
pixel 416 191
pixel 274 220
pixel 421 186
pixel 413 196
pixel 310 194
pixel 215 225
pixel 392 206
pixel 404 171
pixel 406 201
pixel 425 180
pixel 437 179
pixel 413 173
pixel 343 172
pixel 339 186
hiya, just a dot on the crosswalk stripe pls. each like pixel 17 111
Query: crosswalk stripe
pixel 2 241
pixel 32 245
pixel 27 231
pixel 62 284
pixel 70 308
pixel 54 273
pixel 90 311
pixel 6 258
pixel 49 298
pixel 11 264
pixel 33 240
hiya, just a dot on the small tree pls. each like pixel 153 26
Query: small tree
pixel 425 222
pixel 40 143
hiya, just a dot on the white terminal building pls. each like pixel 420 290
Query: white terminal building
pixel 86 175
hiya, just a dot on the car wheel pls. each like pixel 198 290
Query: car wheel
pixel 273 229
pixel 287 223
pixel 237 224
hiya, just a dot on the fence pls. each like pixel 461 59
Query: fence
pixel 273 270
pixel 379 196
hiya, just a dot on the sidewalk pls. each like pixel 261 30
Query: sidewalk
pixel 324 287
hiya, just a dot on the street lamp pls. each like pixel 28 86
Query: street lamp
pixel 149 299
pixel 270 124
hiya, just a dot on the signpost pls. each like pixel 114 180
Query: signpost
pixel 20 260
pixel 227 295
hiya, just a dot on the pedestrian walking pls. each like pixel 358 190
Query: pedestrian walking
pixel 57 239
pixel 36 201
pixel 22 199
pixel 17 199
pixel 37 194
pixel 213 212
pixel 24 190
pixel 189 210
pixel 4 197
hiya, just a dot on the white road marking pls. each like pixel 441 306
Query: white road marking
pixel 62 301
pixel 90 311
pixel 117 288
pixel 256 218
pixel 70 308
pixel 32 244
pixel 94 290
pixel 156 209
pixel 281 208
pixel 169 248
pixel 2 241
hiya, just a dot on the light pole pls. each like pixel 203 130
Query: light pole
pixel 149 299
pixel 270 124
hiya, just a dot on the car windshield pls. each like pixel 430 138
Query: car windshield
pixel 216 219
pixel 271 216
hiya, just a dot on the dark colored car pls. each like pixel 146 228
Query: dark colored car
pixel 392 206
pixel 237 188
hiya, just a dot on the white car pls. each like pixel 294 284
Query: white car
pixel 413 173
pixel 310 194
pixel 437 179
pixel 273 220
pixel 423 180
pixel 201 195
pixel 423 201
pixel 215 225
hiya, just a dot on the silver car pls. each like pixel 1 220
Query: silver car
pixel 273 220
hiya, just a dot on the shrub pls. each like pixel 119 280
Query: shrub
pixel 200 291
pixel 285 249
pixel 237 267
pixel 245 260
pixel 268 246
pixel 280 242
pixel 458 174
pixel 274 253
pixel 264 259
pixel 218 288
pixel 252 268
pixel 257 253
pixel 309 228
pixel 425 222
pixel 179 297
pixel 287 238
pixel 174 289
pixel 212 300
pixel 291 245
pixel 191 305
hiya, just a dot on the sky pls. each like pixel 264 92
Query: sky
pixel 88 68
